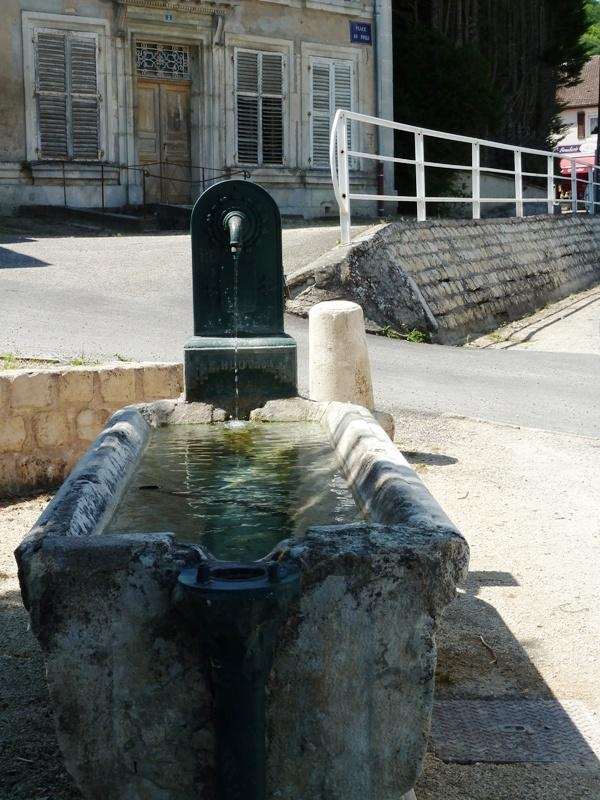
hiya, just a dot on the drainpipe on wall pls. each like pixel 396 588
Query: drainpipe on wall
pixel 382 20
pixel 378 103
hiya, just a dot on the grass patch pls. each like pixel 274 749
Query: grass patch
pixel 415 335
pixel 13 361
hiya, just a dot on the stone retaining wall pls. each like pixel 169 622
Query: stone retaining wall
pixel 48 417
pixel 456 278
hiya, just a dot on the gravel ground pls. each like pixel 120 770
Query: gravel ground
pixel 30 763
pixel 527 502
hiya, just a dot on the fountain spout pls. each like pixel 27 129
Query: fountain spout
pixel 234 223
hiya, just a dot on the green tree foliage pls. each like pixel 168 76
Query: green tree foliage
pixel 591 38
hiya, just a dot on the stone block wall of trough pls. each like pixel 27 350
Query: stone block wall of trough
pixel 49 417
pixel 456 278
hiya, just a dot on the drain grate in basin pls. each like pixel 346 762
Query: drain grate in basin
pixel 514 731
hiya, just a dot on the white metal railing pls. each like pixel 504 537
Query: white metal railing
pixel 340 155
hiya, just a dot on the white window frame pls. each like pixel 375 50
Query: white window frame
pixel 261 44
pixel 35 23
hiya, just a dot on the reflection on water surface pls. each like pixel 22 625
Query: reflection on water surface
pixel 235 489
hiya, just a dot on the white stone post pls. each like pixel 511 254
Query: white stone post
pixel 338 361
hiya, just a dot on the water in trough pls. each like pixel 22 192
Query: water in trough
pixel 237 489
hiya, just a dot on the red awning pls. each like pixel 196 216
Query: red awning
pixel 582 164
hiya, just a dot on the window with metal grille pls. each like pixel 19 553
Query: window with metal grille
pixel 259 93
pixel 164 61
pixel 331 88
pixel 68 101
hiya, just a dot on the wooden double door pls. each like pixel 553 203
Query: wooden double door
pixel 163 140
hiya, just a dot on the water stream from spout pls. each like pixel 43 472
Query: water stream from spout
pixel 236 325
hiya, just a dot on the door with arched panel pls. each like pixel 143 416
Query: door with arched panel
pixel 162 122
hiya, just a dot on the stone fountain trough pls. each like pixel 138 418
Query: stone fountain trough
pixel 349 692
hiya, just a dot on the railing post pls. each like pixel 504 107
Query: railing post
pixel 420 176
pixel 476 179
pixel 343 177
pixel 550 184
pixel 589 192
pixel 518 184
pixel 573 186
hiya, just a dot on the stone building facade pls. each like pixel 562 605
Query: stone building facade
pixel 120 103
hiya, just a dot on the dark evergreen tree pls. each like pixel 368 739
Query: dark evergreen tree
pixel 511 56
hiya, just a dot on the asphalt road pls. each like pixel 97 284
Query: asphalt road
pixel 97 297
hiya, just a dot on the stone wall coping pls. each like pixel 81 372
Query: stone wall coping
pixel 63 368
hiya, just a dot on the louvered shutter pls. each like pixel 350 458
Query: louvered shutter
pixel 259 107
pixel 247 69
pixel 84 99
pixel 51 87
pixel 67 96
pixel 272 108
pixel 342 90
pixel 331 89
pixel 321 113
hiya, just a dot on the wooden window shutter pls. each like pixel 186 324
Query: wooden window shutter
pixel 85 111
pixel 259 107
pixel 246 74
pixel 342 92
pixel 331 89
pixel 321 113
pixel 272 108
pixel 51 79
pixel 68 102
pixel 581 124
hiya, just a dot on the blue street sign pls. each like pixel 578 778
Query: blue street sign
pixel 360 32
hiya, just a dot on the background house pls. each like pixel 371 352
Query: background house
pixel 117 103
pixel 579 115
pixel 580 111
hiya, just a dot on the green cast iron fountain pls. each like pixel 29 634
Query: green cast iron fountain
pixel 239 356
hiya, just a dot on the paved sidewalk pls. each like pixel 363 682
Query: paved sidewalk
pixel 571 325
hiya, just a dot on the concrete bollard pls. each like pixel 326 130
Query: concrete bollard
pixel 338 361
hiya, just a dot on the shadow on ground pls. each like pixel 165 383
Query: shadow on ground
pixel 9 259
pixel 498 732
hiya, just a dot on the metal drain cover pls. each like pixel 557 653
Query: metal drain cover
pixel 514 731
